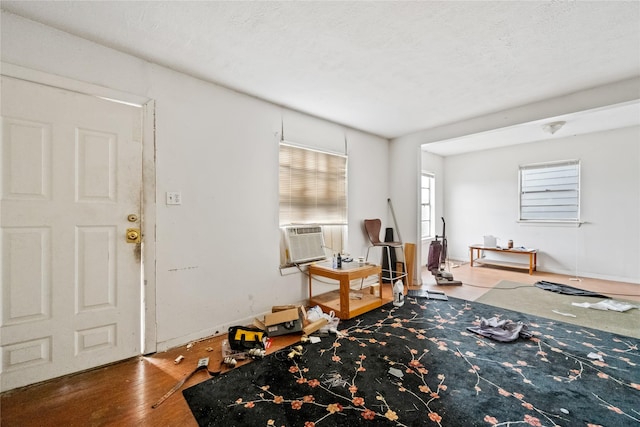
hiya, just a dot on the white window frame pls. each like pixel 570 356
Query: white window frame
pixel 549 192
pixel 430 232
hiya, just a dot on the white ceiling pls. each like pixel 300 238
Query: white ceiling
pixel 578 123
pixel 388 68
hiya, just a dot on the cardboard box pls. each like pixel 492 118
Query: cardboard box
pixel 259 324
pixel 277 308
pixel 283 322
pixel 314 326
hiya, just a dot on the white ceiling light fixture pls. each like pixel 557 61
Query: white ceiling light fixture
pixel 553 127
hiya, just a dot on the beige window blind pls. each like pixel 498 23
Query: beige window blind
pixel 313 187
pixel 550 191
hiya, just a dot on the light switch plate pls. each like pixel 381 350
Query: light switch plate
pixel 174 198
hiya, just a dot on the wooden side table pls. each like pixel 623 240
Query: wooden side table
pixel 532 253
pixel 340 301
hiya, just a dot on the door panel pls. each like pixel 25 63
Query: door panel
pixel 71 174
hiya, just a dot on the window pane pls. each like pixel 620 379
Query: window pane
pixel 426 227
pixel 313 187
pixel 426 213
pixel 550 192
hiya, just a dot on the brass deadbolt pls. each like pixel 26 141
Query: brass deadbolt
pixel 133 235
pixel 132 218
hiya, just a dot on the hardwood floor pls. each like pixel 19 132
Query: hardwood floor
pixel 478 280
pixel 122 394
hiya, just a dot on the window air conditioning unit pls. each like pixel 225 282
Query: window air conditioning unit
pixel 304 243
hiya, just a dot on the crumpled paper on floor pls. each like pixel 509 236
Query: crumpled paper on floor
pixel 607 304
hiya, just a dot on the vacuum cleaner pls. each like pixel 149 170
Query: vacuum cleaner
pixel 438 258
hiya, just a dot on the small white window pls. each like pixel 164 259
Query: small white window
pixel 550 191
pixel 426 203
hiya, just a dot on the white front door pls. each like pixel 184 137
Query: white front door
pixel 71 174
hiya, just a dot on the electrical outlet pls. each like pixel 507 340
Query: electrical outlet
pixel 174 198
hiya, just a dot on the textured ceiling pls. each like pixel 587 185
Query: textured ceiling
pixel 388 68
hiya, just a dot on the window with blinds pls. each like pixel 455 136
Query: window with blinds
pixel 313 187
pixel 550 191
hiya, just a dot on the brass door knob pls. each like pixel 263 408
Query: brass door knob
pixel 133 235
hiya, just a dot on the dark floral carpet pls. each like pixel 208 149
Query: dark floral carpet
pixel 418 365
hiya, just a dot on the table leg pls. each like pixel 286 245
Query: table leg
pixel 471 257
pixel 344 297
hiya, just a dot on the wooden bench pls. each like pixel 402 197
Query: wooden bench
pixel 532 253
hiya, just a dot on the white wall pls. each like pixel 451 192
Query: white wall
pixel 406 149
pixel 217 254
pixel 609 245
pixel 482 199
